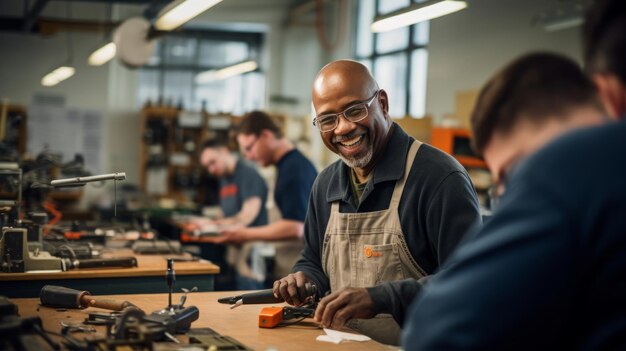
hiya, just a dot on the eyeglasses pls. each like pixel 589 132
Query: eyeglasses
pixel 354 113
pixel 250 146
pixel 496 190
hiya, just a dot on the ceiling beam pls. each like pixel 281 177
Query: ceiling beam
pixel 126 2
pixel 51 26
pixel 33 14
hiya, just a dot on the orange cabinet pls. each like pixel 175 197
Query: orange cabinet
pixel 457 142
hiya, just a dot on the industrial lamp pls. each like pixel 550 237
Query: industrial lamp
pixel 226 72
pixel 56 76
pixel 102 55
pixel 179 12
pixel 416 13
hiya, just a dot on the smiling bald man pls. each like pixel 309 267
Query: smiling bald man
pixel 386 215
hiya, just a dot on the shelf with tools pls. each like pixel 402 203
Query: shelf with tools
pixel 13 131
pixel 169 160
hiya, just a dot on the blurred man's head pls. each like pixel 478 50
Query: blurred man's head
pixel 216 158
pixel 257 136
pixel 531 101
pixel 351 112
pixel 604 45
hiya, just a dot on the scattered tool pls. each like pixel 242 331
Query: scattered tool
pixel 271 317
pixel 58 296
pixel 174 318
pixel 262 296
pixel 70 328
pixel 170 275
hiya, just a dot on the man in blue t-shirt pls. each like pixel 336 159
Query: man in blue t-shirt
pixel 548 270
pixel 261 140
pixel 243 194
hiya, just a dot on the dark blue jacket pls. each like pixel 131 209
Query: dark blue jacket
pixel 548 271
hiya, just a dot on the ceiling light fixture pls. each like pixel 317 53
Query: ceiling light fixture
pixel 564 16
pixel 58 75
pixel 102 55
pixel 416 13
pixel 179 12
pixel 227 72
pixel 563 23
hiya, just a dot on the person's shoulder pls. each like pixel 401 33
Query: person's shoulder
pixel 595 146
pixel 586 163
pixel 327 178
pixel 247 168
pixel 296 161
pixel 436 161
pixel 331 170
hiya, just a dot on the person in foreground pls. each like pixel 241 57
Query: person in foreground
pixel 532 101
pixel 384 216
pixel 548 271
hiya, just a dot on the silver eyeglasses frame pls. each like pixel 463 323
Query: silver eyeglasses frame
pixel 364 104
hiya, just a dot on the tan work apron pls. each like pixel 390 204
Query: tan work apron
pixel 366 249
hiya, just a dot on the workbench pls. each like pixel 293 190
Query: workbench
pixel 240 323
pixel 147 277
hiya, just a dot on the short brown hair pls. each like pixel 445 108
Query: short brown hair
pixel 253 123
pixel 604 38
pixel 533 87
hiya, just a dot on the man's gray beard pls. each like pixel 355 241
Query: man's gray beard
pixel 359 162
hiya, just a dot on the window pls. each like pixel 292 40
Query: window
pixel 398 59
pixel 169 76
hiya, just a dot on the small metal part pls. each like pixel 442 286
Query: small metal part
pixel 229 300
pixel 236 304
pixel 172 337
pixel 183 298
pixel 77 327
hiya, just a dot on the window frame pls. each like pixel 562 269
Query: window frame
pixel 408 52
pixel 253 40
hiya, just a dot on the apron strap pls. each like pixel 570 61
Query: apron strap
pixel 397 191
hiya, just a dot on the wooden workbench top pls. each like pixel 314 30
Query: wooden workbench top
pixel 240 323
pixel 147 265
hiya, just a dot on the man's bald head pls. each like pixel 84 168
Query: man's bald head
pixel 345 94
pixel 346 77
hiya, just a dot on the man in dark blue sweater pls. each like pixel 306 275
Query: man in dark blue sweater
pixel 548 271
pixel 261 140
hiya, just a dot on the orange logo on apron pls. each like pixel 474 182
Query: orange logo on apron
pixel 369 252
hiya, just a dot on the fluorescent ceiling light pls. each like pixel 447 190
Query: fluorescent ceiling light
pixel 230 71
pixel 564 23
pixel 102 55
pixel 58 75
pixel 179 12
pixel 416 13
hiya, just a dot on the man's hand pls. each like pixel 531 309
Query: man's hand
pixel 232 235
pixel 337 308
pixel 291 288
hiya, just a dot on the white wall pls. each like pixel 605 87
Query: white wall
pixel 466 48
pixel 26 59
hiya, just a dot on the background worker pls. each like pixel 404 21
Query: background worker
pixel 261 140
pixel 242 194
